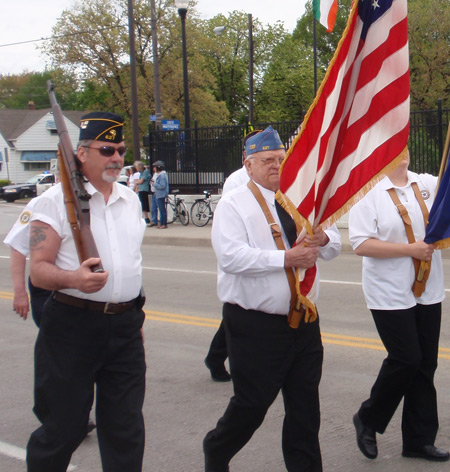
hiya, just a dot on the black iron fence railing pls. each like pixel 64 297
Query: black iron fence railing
pixel 202 158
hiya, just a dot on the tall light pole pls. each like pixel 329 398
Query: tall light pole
pixel 133 80
pixel 182 10
pixel 156 80
pixel 220 30
pixel 250 68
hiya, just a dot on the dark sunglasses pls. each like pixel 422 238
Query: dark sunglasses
pixel 109 151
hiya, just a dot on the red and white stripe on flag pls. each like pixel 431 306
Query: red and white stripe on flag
pixel 358 125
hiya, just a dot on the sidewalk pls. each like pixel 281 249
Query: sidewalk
pixel 192 236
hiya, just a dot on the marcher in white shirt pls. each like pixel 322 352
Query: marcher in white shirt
pixel 90 332
pixel 235 179
pixel 266 355
pixel 217 353
pixel 18 241
pixel 408 325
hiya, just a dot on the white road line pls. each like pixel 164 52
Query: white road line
pixel 210 272
pixel 19 453
pixel 186 271
pixel 340 282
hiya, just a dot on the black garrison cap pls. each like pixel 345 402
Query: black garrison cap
pixel 102 126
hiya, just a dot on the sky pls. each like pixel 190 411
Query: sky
pixel 26 20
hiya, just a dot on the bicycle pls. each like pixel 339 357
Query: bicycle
pixel 178 209
pixel 201 210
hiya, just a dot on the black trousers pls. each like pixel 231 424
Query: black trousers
pixel 217 354
pixel 76 349
pixel 38 297
pixel 411 338
pixel 267 356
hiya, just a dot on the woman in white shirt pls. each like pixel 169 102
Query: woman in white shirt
pixel 408 325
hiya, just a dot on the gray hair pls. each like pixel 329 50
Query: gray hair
pixel 139 165
pixel 85 143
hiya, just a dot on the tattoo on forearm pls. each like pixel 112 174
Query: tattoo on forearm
pixel 37 235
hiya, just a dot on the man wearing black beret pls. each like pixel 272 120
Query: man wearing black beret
pixel 90 333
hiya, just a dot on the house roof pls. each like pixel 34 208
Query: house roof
pixel 15 122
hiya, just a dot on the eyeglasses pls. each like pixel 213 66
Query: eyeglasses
pixel 109 151
pixel 269 161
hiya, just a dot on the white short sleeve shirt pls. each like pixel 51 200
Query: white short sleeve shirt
pixel 18 237
pixel 118 230
pixel 387 282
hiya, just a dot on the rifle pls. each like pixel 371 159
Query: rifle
pixel 76 198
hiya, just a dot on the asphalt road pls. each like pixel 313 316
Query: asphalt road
pixel 182 403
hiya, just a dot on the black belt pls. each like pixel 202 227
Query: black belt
pixel 103 307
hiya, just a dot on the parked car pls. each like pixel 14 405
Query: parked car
pixel 28 189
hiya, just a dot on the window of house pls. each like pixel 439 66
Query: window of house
pixel 51 126
pixel 36 166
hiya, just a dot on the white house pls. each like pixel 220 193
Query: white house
pixel 29 140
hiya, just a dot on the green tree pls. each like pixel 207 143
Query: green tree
pixel 326 43
pixel 287 90
pixel 288 86
pixel 227 57
pixel 429 46
pixel 10 85
pixel 17 91
pixel 100 57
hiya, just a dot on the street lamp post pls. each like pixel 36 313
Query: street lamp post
pixel 220 30
pixel 182 10
pixel 157 89
pixel 250 68
pixel 133 81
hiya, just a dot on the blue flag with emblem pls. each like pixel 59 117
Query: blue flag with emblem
pixel 438 228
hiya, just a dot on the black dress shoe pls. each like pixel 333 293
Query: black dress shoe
pixel 430 453
pixel 365 437
pixel 218 373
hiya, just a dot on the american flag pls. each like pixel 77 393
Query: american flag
pixel 357 127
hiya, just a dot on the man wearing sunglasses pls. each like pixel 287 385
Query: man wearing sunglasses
pixel 90 333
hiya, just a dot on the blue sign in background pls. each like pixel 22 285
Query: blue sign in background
pixel 170 124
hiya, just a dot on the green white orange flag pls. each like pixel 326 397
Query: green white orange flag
pixel 325 13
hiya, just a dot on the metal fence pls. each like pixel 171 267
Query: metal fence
pixel 202 158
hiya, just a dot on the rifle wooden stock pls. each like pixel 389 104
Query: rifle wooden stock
pixel 76 198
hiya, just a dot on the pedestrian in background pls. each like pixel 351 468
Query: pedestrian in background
pixel 160 185
pixel 143 186
pixel 132 179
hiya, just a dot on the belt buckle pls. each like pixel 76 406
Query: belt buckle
pixel 106 308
